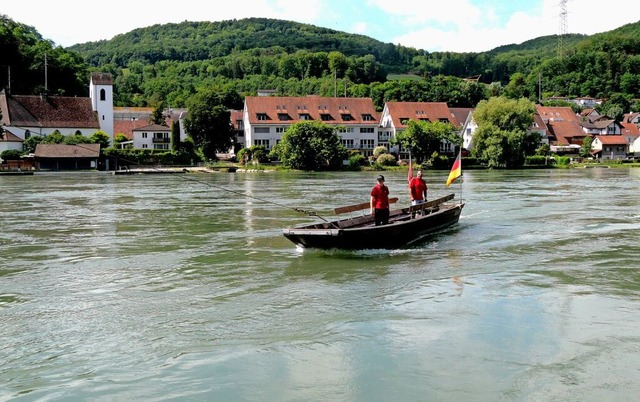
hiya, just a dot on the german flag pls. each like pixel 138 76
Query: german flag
pixel 456 169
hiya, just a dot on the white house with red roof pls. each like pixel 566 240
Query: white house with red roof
pixel 266 118
pixel 396 116
pixel 609 146
pixel 152 136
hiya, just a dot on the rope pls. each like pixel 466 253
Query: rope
pixel 299 210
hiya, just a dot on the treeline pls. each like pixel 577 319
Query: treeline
pixel 23 56
pixel 169 63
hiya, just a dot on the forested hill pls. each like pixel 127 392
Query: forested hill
pixel 169 63
pixel 193 41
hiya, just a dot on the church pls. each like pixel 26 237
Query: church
pixel 24 116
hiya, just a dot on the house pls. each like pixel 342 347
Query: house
pixel 396 116
pixel 564 133
pixel 266 118
pixel 152 136
pixel 600 125
pixel 630 132
pixel 66 157
pixel 464 116
pixel 127 119
pixel 609 147
pixel 9 141
pixel 41 115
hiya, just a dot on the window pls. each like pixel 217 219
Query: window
pixel 144 135
pixel 348 144
pixel 160 146
pixel 346 117
pixel 261 142
pixel 325 117
pixel 344 130
pixel 103 94
pixel 261 116
pixel 367 117
pixel 443 120
pixel 279 130
pixel 27 134
pixel 404 120
pixel 261 130
pixel 367 130
pixel 283 116
pixel 367 144
pixel 144 146
pixel 305 116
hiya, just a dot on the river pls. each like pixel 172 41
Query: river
pixel 182 287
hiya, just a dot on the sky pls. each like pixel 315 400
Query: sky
pixel 444 25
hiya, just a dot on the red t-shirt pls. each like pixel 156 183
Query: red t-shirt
pixel 417 188
pixel 380 194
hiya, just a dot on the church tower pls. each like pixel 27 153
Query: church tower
pixel 101 94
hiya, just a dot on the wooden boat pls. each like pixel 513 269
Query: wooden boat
pixel 406 226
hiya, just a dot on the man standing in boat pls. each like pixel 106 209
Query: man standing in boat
pixel 418 189
pixel 380 202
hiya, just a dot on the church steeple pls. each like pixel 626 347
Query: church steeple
pixel 101 94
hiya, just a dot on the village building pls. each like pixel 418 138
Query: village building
pixel 42 115
pixel 396 116
pixel 265 119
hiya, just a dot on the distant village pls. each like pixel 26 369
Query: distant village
pixel 266 117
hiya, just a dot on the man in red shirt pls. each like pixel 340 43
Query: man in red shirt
pixel 380 202
pixel 418 189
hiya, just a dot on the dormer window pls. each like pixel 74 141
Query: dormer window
pixel 262 116
pixel 346 117
pixel 283 116
pixel 404 121
pixel 326 117
pixel 367 117
pixel 305 116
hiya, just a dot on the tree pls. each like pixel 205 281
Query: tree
pixel 29 145
pixel 209 123
pixel 157 116
pixel 585 149
pixel 310 145
pixel 54 138
pixel 502 137
pixel 423 138
pixel 100 137
pixel 118 139
pixel 175 135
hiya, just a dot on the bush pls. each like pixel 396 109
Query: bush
pixel 386 160
pixel 536 160
pixel 10 154
pixel 357 160
pixel 379 150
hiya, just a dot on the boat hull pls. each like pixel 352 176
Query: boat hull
pixel 402 230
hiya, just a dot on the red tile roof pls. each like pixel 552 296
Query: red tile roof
pixel 48 111
pixel 557 113
pixel 328 110
pixel 612 139
pixel 67 151
pixel 431 111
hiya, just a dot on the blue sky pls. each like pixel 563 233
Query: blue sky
pixel 444 25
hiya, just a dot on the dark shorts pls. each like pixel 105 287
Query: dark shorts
pixel 381 216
